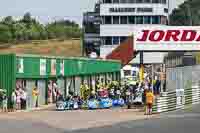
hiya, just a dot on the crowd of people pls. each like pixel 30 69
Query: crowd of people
pixel 19 98
pixel 54 93
pixel 141 93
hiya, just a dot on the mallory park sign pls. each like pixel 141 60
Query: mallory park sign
pixel 167 38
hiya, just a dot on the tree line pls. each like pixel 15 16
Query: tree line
pixel 29 28
pixel 187 14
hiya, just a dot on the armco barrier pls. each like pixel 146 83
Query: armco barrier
pixel 170 101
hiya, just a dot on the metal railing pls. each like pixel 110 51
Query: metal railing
pixel 170 101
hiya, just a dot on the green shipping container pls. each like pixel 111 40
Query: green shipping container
pixel 14 67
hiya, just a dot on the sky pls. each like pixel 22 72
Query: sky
pixel 47 10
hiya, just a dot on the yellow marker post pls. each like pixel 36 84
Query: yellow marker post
pixel 141 67
pixel 141 72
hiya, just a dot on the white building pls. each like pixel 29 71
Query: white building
pixel 119 17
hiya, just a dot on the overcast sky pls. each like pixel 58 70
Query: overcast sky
pixel 47 9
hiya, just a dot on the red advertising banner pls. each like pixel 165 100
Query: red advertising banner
pixel 124 52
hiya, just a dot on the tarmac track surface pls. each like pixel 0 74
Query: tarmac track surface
pixel 107 121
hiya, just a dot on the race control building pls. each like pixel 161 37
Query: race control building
pixel 120 17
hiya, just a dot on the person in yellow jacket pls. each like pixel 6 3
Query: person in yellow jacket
pixel 84 91
pixel 35 94
pixel 149 102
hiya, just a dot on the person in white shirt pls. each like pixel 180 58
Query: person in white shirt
pixel 13 100
pixel 23 98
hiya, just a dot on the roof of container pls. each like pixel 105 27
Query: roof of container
pixel 62 57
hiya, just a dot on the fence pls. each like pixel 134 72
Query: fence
pixel 170 101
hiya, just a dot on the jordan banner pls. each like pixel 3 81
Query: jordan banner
pixel 167 38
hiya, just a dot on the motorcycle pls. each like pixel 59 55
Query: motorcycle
pixel 93 103
pixel 105 103
pixel 68 104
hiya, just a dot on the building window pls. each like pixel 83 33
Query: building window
pixel 108 20
pixel 132 1
pixel 124 20
pixel 139 20
pixel 108 41
pixel 131 19
pixel 124 1
pixel 115 40
pixel 147 20
pixel 107 1
pixel 155 20
pixel 116 1
pixel 147 1
pixel 155 1
pixel 165 10
pixel 115 19
pixel 139 1
pixel 164 1
pixel 122 39
pixel 144 9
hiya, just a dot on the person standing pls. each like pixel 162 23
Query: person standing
pixel 18 99
pixel 23 99
pixel 149 102
pixel 55 88
pixel 13 101
pixel 35 94
pixel 5 102
pixel 50 97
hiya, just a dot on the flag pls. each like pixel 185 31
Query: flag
pixel 124 52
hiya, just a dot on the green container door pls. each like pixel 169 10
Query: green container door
pixel 70 85
pixel 77 85
pixel 67 86
pixel 8 73
pixel 42 92
pixel 30 84
pixel 61 85
pixel 93 82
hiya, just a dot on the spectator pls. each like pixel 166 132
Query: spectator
pixel 23 99
pixel 13 100
pixel 18 99
pixel 149 102
pixel 55 88
pixel 3 100
pixel 35 94
pixel 49 92
pixel 157 87
pixel 5 103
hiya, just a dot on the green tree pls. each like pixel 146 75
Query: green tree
pixel 29 28
pixel 5 34
pixel 187 14
pixel 27 19
pixel 63 29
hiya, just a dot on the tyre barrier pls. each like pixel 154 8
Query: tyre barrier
pixel 170 101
